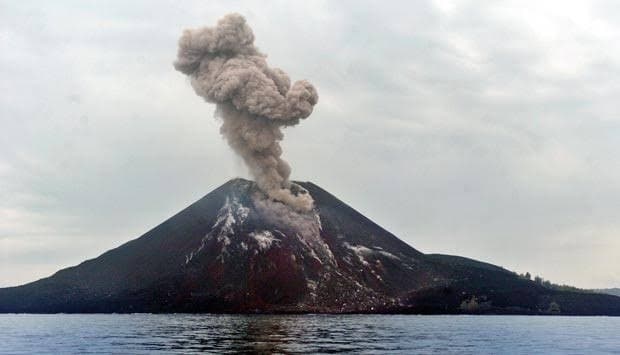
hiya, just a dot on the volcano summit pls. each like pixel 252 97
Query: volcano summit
pixel 274 245
pixel 221 255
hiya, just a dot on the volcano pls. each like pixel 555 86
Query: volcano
pixel 219 255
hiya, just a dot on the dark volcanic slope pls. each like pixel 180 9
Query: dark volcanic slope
pixel 219 255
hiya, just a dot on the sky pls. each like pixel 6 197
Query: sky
pixel 487 129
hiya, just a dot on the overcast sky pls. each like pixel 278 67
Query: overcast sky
pixel 484 129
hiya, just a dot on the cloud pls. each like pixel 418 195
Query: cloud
pixel 489 131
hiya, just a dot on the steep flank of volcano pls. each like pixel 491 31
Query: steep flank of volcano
pixel 221 255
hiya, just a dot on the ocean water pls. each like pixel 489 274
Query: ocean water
pixel 373 334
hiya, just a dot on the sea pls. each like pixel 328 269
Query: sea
pixel 316 334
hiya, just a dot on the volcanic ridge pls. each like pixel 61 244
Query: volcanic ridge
pixel 223 255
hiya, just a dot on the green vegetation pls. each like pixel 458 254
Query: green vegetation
pixel 552 286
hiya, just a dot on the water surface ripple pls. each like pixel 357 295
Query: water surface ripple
pixel 371 334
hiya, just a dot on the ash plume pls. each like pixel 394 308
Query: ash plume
pixel 253 100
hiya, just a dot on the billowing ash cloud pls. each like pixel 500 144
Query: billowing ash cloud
pixel 253 100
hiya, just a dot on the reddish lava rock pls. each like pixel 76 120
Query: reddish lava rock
pixel 219 255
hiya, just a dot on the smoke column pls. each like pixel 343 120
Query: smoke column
pixel 253 100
